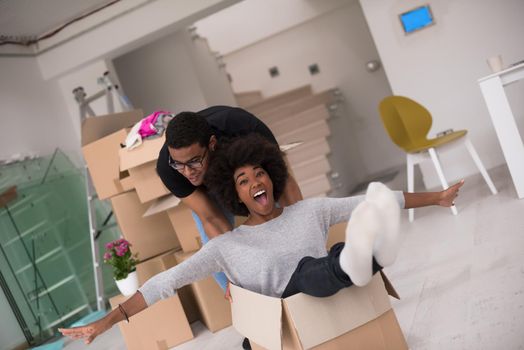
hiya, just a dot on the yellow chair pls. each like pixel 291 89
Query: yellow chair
pixel 407 124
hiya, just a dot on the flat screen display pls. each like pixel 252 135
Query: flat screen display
pixel 416 19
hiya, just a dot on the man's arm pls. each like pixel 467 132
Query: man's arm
pixel 213 220
pixel 292 193
pixel 444 198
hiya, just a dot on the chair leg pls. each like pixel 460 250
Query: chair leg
pixel 411 183
pixel 480 166
pixel 440 173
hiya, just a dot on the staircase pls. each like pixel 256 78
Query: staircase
pixel 303 115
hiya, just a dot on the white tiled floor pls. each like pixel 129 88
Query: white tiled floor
pixel 461 278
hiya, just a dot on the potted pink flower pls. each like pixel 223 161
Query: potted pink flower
pixel 118 254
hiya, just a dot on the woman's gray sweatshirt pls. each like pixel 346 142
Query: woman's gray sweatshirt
pixel 260 258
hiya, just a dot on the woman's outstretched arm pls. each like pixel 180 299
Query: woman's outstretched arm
pixel 161 286
pixel 88 333
pixel 445 198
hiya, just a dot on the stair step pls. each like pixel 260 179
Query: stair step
pixel 308 150
pixel 324 98
pixel 315 187
pixel 306 117
pixel 311 168
pixel 306 133
pixel 248 98
pixel 276 101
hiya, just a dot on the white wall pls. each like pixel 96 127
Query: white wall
pixel 440 65
pixel 249 21
pixel 34 117
pixel 212 77
pixel 340 43
pixel 173 75
pixel 160 76
pixel 128 24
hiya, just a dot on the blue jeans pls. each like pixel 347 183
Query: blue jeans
pixel 219 277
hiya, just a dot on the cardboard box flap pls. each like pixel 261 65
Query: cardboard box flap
pixel 146 152
pixel 317 320
pixel 95 128
pixel 257 317
pixel 162 204
pixel 124 181
pixel 389 287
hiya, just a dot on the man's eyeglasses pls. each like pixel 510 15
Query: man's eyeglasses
pixel 192 164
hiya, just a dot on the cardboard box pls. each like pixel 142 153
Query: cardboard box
pixel 155 265
pixel 149 268
pixel 95 128
pixel 102 160
pixel 354 318
pixel 101 139
pixel 181 219
pixel 185 228
pixel 150 236
pixel 160 326
pixel 141 164
pixel 214 308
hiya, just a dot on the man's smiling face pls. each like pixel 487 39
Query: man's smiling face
pixel 191 161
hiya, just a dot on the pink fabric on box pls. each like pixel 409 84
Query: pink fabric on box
pixel 147 128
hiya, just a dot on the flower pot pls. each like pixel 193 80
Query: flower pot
pixel 128 286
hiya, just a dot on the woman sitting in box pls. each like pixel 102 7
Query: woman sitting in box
pixel 281 251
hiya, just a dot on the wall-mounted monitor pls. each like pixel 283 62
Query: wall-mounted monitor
pixel 416 19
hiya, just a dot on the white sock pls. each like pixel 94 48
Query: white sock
pixel 386 244
pixel 356 259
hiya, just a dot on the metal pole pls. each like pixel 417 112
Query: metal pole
pixel 17 282
pixel 18 314
pixel 33 263
pixel 97 268
pixel 39 321
pixel 49 166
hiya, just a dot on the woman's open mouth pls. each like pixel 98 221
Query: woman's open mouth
pixel 261 197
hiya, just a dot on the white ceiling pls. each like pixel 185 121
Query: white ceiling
pixel 36 17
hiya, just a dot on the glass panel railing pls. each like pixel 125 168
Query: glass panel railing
pixel 45 249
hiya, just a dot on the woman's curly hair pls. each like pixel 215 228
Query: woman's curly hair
pixel 252 149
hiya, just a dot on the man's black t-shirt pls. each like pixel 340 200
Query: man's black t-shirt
pixel 225 122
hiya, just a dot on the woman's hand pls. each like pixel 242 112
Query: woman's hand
pixel 89 332
pixel 447 197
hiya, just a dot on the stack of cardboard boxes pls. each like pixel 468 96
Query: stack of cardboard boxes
pixel 160 229
pixel 163 233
